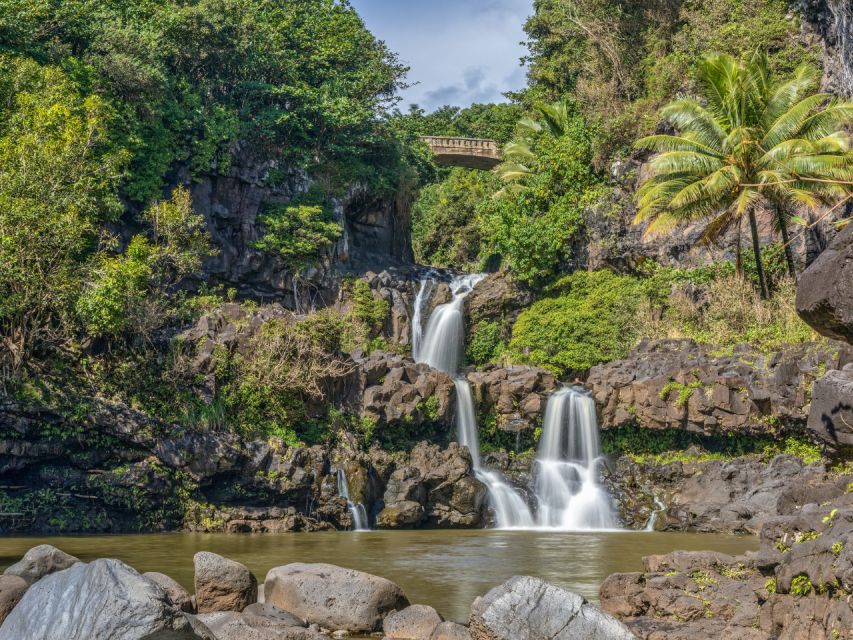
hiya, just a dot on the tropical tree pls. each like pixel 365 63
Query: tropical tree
pixel 748 142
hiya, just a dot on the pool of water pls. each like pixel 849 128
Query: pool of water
pixel 445 569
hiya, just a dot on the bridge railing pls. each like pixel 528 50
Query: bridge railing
pixel 449 142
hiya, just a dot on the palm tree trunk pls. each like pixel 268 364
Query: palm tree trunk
pixel 738 253
pixel 786 242
pixel 756 248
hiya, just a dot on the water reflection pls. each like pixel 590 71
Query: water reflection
pixel 446 569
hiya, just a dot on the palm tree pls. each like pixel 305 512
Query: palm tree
pixel 749 143
pixel 518 154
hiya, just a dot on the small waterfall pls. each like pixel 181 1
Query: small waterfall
pixel 445 333
pixel 424 292
pixel 442 349
pixel 567 490
pixel 357 510
pixel 661 507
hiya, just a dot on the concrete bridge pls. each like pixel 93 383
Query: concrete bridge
pixel 473 153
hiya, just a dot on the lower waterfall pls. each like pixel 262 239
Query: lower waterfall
pixel 357 511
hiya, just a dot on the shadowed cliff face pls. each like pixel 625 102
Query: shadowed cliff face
pixel 833 20
pixel 375 234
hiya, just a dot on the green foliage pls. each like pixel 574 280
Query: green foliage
pixel 621 60
pixel 587 323
pixel 685 391
pixel 770 585
pixel 128 292
pixel 493 121
pixel 297 235
pixel 189 80
pixel 486 343
pixel 446 229
pixel 58 180
pixel 801 586
pixel 372 310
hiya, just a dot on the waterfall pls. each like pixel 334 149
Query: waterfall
pixel 442 349
pixel 424 292
pixel 566 474
pixel 357 510
pixel 661 507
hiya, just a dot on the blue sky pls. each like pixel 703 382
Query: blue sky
pixel 459 51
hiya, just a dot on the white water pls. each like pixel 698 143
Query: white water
pixel 661 507
pixel 567 463
pixel 357 510
pixel 441 349
pixel 424 292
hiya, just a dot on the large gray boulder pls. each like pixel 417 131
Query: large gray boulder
pixel 222 584
pixel 417 622
pixel 526 608
pixel 824 291
pixel 179 596
pixel 103 600
pixel 333 597
pixel 40 561
pixel 451 631
pixel 831 413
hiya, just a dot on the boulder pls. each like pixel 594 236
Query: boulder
pixel 451 631
pixel 178 596
pixel 231 625
pixel 12 589
pixel 40 561
pixel 103 600
pixel 333 597
pixel 824 294
pixel 222 584
pixel 526 608
pixel 417 622
pixel 516 396
pixel 831 413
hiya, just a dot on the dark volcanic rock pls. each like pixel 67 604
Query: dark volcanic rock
pixel 525 608
pixel 824 292
pixel 831 413
pixel 682 385
pixel 436 487
pixel 103 600
pixel 515 396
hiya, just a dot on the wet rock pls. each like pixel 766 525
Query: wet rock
pixel 824 294
pixel 333 597
pixel 525 608
pixel 436 487
pixel 40 561
pixel 12 589
pixel 678 384
pixel 222 584
pixel 102 600
pixel 178 596
pixel 417 622
pixel 831 413
pixel 451 631
pixel 230 625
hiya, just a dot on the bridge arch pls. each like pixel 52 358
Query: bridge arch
pixel 473 153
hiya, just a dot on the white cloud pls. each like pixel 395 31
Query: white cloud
pixel 460 51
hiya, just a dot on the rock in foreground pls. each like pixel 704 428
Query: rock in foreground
pixel 333 597
pixel 104 600
pixel 417 622
pixel 526 608
pixel 222 584
pixel 40 561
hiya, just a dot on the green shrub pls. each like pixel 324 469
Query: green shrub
pixel 486 343
pixel 297 235
pixel 368 308
pixel 589 322
pixel 801 586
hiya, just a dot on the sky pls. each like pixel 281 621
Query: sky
pixel 459 51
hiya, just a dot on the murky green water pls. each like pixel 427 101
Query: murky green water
pixel 445 569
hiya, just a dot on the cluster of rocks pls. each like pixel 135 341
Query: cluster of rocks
pixel 679 384
pixel 50 595
pixel 799 584
pixel 736 495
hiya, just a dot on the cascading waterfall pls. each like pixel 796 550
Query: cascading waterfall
pixel 567 490
pixel 424 292
pixel 357 510
pixel 442 349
